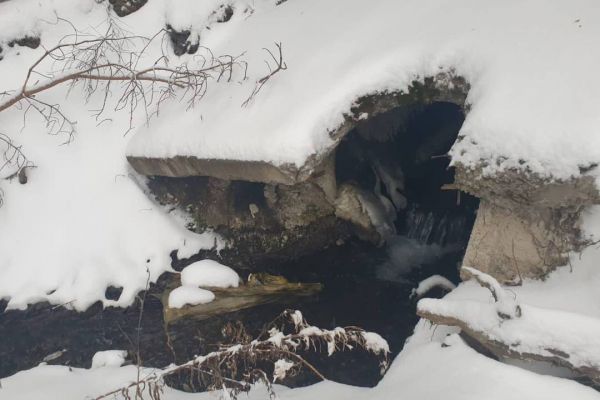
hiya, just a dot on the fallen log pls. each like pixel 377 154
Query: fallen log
pixel 529 333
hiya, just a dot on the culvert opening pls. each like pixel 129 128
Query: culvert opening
pixel 400 158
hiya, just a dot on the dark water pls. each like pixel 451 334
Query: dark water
pixel 371 288
pixel 363 286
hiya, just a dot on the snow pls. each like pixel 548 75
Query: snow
pixel 206 273
pixel 520 77
pixel 432 282
pixel 109 358
pixel 375 343
pixel 506 303
pixel 189 295
pixel 281 368
pixel 83 222
pixel 209 273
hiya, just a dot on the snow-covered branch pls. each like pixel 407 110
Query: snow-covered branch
pixel 505 302
pixel 235 368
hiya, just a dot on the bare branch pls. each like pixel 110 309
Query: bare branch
pixel 280 65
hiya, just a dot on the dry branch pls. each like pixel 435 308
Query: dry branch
pixel 507 307
pixel 13 156
pixel 279 65
pixel 113 65
pixel 114 57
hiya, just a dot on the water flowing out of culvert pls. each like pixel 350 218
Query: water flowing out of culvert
pixel 400 157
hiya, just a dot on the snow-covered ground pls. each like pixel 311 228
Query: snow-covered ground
pixel 83 222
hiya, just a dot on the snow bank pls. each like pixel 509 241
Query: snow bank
pixel 188 295
pixel 532 67
pixel 82 223
pixel 109 358
pixel 426 368
pixel 209 273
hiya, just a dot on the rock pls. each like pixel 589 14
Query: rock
pixel 180 166
pixel 264 221
pixel 32 42
pixel 350 206
pixel 253 210
pixel 125 7
pixel 182 41
pixel 285 211
pixel 513 189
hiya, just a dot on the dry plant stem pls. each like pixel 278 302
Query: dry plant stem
pixel 308 365
pixel 280 65
pixel 176 78
pixel 13 155
pixel 139 332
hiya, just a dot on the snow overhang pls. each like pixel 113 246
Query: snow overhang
pixel 529 109
pixel 443 87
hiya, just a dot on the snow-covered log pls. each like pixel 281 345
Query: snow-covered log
pixel 532 334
